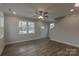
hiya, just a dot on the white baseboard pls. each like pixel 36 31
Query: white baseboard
pixel 68 43
pixel 22 41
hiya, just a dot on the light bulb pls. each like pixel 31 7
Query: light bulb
pixel 40 17
pixel 14 12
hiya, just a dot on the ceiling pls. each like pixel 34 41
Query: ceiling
pixel 28 9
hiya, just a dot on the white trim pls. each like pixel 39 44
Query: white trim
pixel 68 43
pixel 22 41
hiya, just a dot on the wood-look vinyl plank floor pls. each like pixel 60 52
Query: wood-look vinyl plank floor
pixel 40 47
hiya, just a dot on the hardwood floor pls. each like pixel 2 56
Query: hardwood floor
pixel 40 47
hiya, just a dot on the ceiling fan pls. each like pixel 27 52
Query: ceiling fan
pixel 41 14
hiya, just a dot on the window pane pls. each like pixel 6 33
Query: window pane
pixel 31 27
pixel 52 25
pixel 42 27
pixel 1 27
pixel 22 27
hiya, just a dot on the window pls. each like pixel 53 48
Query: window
pixel 42 27
pixel 22 27
pixel 1 27
pixel 26 27
pixel 52 25
pixel 31 27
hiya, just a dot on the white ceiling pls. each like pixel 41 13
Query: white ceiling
pixel 28 9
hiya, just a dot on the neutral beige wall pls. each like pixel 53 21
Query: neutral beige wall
pixel 70 24
pixel 12 35
pixel 67 30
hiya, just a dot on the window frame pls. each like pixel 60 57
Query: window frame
pixel 22 30
pixel 33 28
pixel 28 31
pixel 52 25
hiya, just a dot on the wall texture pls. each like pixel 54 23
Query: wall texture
pixel 2 44
pixel 12 31
pixel 67 30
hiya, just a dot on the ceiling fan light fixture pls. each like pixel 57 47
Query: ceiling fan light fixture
pixel 14 12
pixel 40 17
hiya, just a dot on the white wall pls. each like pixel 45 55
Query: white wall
pixel 12 35
pixel 66 31
pixel 2 41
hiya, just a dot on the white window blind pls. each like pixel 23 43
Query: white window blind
pixel 22 27
pixel 26 27
pixel 31 27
